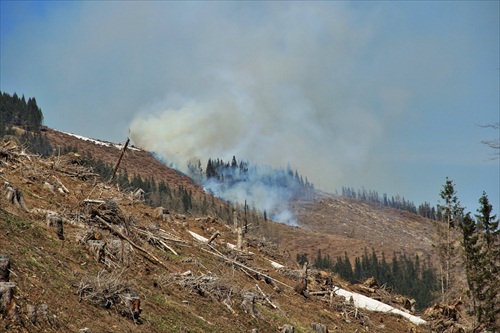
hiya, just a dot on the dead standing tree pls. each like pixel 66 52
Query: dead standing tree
pixel 119 160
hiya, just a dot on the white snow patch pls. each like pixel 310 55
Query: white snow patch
pixel 99 142
pixel 363 302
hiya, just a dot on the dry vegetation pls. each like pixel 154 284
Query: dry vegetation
pixel 118 268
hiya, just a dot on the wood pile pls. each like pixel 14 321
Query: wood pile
pixel 110 291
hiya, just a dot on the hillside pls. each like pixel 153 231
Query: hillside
pixel 334 224
pixel 183 284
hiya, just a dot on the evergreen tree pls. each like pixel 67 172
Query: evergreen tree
pixel 487 276
pixel 471 254
pixel 450 216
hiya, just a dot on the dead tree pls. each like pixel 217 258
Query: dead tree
pixel 4 267
pixel 119 160
pixel 239 245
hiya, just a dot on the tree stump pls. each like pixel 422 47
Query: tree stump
pixel 319 328
pixel 31 313
pixel 98 250
pixel 54 220
pixel 248 303
pixel 131 306
pixel 4 267
pixel 15 197
pixel 8 307
pixel 43 313
pixel 287 329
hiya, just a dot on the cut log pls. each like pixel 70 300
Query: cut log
pixel 4 267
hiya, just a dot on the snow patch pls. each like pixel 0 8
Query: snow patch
pixel 367 303
pixel 99 142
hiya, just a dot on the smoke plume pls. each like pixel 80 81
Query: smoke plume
pixel 274 95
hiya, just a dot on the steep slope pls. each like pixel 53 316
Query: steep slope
pixel 334 224
pixel 358 224
pixel 184 285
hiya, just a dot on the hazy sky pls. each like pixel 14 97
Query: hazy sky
pixel 385 95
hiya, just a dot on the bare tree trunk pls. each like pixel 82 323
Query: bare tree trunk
pixel 119 160
pixel 239 245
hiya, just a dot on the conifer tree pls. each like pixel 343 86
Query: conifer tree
pixel 487 274
pixel 450 215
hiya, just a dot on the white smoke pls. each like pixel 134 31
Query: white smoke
pixel 284 92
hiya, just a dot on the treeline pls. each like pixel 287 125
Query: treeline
pixel 411 277
pixel 233 173
pixel 28 118
pixel 397 202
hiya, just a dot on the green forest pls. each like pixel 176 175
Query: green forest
pixel 407 276
pixel 27 117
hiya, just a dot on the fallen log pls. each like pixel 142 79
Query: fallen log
pixel 265 297
pixel 246 267
pixel 144 251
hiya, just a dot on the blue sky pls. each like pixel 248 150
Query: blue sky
pixel 385 95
